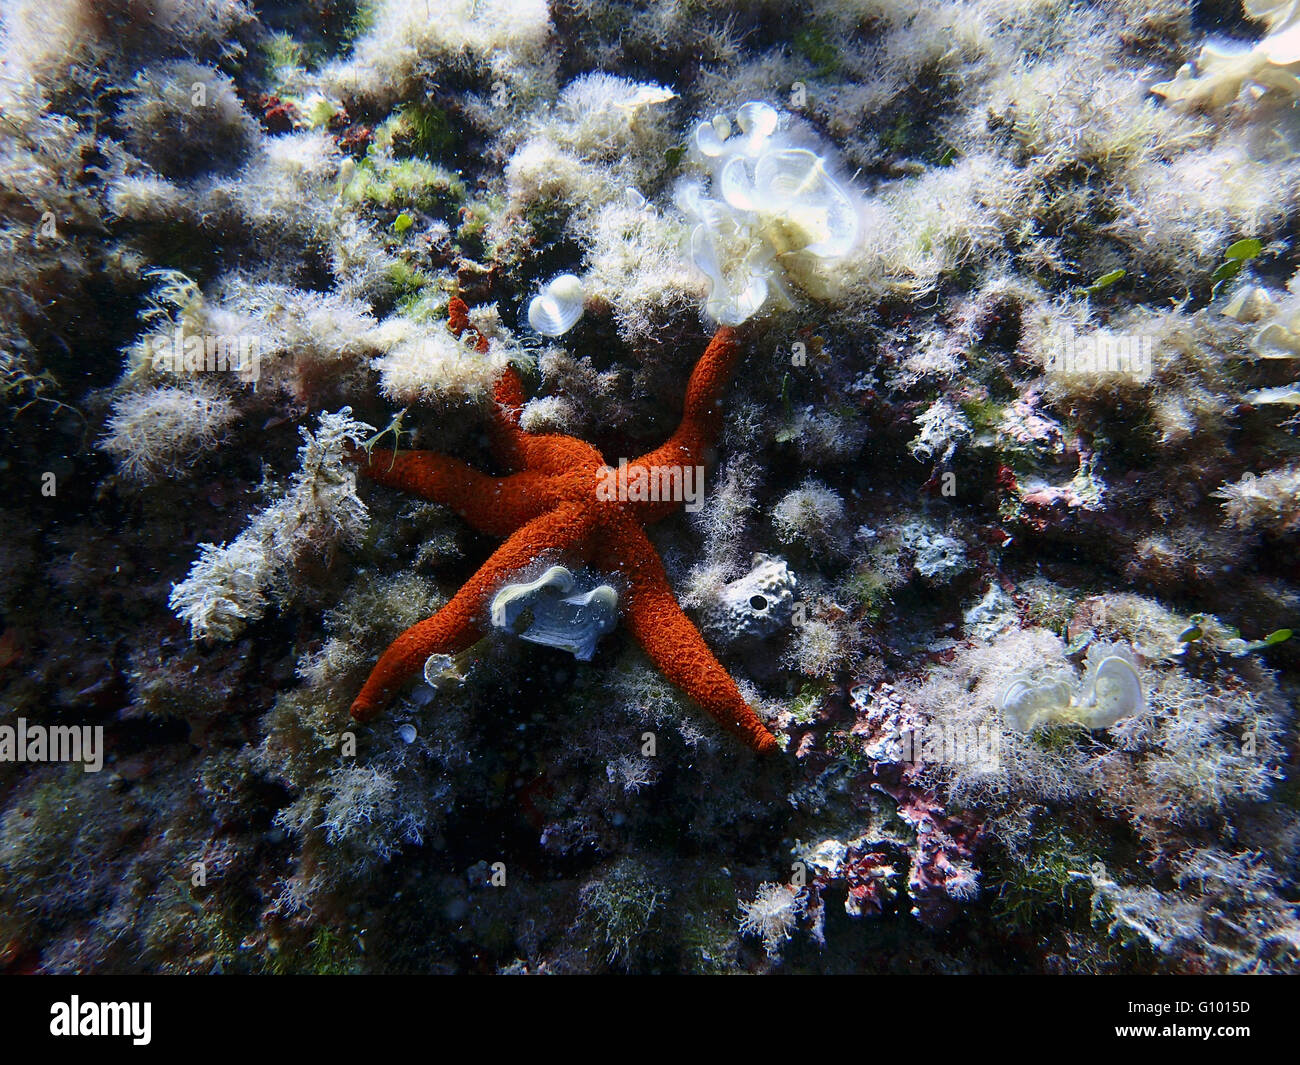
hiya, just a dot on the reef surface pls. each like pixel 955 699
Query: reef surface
pixel 997 534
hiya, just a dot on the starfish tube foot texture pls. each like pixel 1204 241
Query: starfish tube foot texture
pixel 553 504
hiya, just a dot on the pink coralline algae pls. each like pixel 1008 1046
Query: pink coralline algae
pixel 891 732
pixel 941 875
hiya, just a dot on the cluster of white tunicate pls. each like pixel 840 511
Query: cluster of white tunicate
pixel 1223 69
pixel 775 214
pixel 1111 689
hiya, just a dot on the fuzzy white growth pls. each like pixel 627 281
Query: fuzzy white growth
pixel 44 44
pixel 368 812
pixel 405 34
pixel 230 586
pixel 1190 209
pixel 359 796
pixel 605 134
pixel 302 341
pixel 610 118
pixel 632 774
pixel 305 337
pixel 823 646
pixel 286 186
pixel 812 515
pixel 579 167
pixel 547 414
pixel 923 227
pixel 1270 502
pixel 160 432
pixel 772 916
pixel 183 118
pixel 434 366
pixel 147 199
pixel 634 264
pixel 942 427
pixel 780 216
pixel 541 172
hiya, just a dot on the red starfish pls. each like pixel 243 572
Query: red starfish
pixel 551 505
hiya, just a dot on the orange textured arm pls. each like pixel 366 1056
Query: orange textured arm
pixel 507 403
pixel 672 642
pixel 702 412
pixel 493 505
pixel 462 622
pixel 546 453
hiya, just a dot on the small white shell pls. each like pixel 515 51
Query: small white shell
pixel 542 611
pixel 556 309
pixel 648 95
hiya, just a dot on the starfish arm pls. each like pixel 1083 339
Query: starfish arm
pixel 701 418
pixel 507 406
pixel 702 411
pixel 672 642
pixel 493 505
pixel 546 453
pixel 512 446
pixel 461 623
pixel 508 439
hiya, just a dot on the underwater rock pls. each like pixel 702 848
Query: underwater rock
pixel 543 611
pixel 938 558
pixel 757 604
pixel 994 613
